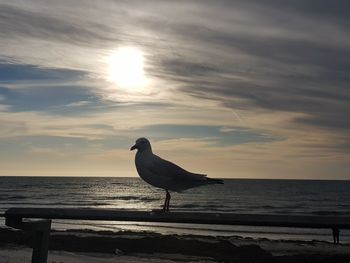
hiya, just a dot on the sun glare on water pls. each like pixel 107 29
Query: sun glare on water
pixel 126 68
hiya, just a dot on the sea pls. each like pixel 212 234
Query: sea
pixel 248 196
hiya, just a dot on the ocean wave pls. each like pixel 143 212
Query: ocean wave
pixel 326 213
pixel 15 197
pixel 92 204
pixel 234 230
pixel 53 204
pixel 131 198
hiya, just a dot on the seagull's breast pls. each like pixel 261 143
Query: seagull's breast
pixel 144 162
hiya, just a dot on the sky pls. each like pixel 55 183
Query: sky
pixel 232 89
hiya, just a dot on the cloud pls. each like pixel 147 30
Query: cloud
pixel 268 80
pixel 214 135
pixel 50 99
pixel 22 21
pixel 10 72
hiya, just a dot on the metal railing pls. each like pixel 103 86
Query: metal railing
pixel 41 228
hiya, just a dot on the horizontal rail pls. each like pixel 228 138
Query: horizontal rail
pixel 300 221
pixel 14 218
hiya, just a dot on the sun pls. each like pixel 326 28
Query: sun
pixel 126 68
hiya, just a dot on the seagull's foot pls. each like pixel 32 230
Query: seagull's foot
pixel 158 210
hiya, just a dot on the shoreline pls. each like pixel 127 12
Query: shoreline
pixel 172 247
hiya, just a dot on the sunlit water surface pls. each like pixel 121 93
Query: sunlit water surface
pixel 236 195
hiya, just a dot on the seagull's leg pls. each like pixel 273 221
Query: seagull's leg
pixel 168 198
pixel 166 201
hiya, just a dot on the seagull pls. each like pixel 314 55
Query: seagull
pixel 163 174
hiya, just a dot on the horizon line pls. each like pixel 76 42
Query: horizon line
pixel 224 178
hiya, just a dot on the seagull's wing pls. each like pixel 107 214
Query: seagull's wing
pixel 174 172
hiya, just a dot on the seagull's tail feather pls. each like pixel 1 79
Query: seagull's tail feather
pixel 215 181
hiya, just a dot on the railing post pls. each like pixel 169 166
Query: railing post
pixel 41 229
pixel 335 232
pixel 41 241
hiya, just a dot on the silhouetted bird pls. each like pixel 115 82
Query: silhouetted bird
pixel 164 174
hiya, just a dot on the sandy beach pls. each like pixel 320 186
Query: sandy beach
pixel 92 246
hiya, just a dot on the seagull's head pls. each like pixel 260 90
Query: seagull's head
pixel 141 145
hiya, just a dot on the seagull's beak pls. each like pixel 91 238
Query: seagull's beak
pixel 133 147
